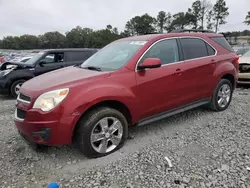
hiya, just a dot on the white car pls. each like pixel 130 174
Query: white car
pixel 244 69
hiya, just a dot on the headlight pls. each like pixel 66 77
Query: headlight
pixel 5 72
pixel 51 99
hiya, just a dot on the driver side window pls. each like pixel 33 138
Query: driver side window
pixel 53 58
pixel 50 58
pixel 165 50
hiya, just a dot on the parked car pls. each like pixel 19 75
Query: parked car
pixel 132 81
pixel 14 74
pixel 244 69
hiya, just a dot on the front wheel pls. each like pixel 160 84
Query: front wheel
pixel 15 87
pixel 101 132
pixel 222 95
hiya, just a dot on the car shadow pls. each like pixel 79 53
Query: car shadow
pixel 243 86
pixel 138 138
pixel 6 97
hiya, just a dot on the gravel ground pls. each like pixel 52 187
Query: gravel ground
pixel 207 149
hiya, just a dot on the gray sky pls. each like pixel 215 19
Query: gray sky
pixel 19 17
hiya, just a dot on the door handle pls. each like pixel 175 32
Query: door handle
pixel 178 71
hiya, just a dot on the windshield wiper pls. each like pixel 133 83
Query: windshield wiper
pixel 93 68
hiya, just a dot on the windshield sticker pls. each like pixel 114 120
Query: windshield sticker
pixel 138 42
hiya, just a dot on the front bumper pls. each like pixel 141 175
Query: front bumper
pixel 3 87
pixel 244 78
pixel 50 129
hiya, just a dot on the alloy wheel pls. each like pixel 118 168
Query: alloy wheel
pixel 17 88
pixel 224 95
pixel 106 135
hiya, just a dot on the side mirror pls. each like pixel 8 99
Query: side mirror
pixel 150 63
pixel 42 63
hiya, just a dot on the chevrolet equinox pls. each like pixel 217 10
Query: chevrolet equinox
pixel 131 81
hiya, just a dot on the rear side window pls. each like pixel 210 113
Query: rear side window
pixel 193 48
pixel 223 42
pixel 78 56
pixel 210 50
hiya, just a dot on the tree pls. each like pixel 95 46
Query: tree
pixel 52 40
pixel 247 19
pixel 210 23
pixel 206 6
pixel 196 13
pixel 220 13
pixel 29 42
pixel 79 37
pixel 109 27
pixel 181 19
pixel 10 42
pixel 1 44
pixel 245 33
pixel 163 21
pixel 140 25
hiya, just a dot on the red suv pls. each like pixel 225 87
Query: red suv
pixel 132 81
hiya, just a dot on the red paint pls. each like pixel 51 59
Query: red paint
pixel 144 93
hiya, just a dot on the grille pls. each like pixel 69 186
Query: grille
pixel 21 114
pixel 244 68
pixel 24 97
pixel 244 79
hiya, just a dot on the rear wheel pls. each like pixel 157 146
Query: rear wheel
pixel 222 95
pixel 101 132
pixel 15 87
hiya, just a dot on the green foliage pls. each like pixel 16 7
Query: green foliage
pixel 247 20
pixel 10 42
pixel 28 42
pixel 182 19
pixel 210 23
pixel 163 21
pixel 140 25
pixel 220 12
pixel 196 13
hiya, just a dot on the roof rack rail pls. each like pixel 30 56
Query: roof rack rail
pixel 191 30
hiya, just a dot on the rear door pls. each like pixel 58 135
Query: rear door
pixel 77 57
pixel 200 64
pixel 52 61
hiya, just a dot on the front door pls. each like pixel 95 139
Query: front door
pixel 160 89
pixel 50 62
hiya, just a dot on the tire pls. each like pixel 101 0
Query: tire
pixel 214 104
pixel 90 125
pixel 13 87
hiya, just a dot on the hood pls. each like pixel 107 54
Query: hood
pixel 244 60
pixel 14 65
pixel 65 77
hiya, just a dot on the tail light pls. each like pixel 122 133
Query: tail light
pixel 236 63
pixel 237 59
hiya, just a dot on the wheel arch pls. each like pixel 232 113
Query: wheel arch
pixel 115 104
pixel 18 78
pixel 231 78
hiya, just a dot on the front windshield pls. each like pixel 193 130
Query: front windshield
pixel 114 56
pixel 33 60
pixel 247 54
